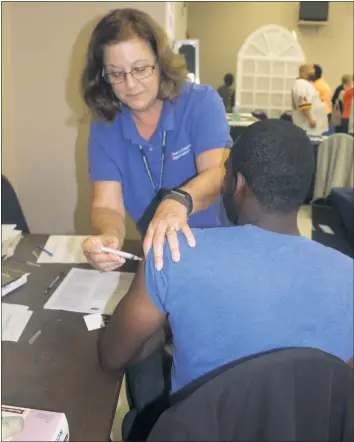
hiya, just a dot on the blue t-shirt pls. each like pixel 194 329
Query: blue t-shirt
pixel 245 290
pixel 194 123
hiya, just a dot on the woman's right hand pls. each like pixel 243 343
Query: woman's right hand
pixel 105 262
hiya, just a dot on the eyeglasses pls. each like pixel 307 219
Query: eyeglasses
pixel 139 73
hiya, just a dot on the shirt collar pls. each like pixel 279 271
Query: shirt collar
pixel 130 131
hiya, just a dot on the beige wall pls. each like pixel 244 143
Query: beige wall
pixel 222 27
pixel 9 163
pixel 181 11
pixel 42 107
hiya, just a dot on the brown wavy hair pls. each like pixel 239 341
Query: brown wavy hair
pixel 121 25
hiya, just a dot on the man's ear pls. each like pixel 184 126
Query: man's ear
pixel 240 184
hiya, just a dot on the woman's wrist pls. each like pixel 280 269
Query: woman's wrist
pixel 181 197
pixel 108 222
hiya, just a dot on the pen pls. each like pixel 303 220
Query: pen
pixel 30 263
pixel 34 337
pixel 55 280
pixel 44 250
pixel 120 253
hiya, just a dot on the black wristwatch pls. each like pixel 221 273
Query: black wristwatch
pixel 178 195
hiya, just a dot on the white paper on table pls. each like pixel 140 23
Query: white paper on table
pixel 7 231
pixel 125 282
pixel 65 249
pixel 14 285
pixel 84 291
pixel 10 237
pixel 14 320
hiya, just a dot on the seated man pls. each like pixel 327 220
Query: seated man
pixel 244 289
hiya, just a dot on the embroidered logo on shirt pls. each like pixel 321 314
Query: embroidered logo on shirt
pixel 180 152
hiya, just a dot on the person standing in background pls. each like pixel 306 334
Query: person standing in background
pixel 309 112
pixel 348 95
pixel 323 89
pixel 339 90
pixel 337 102
pixel 227 92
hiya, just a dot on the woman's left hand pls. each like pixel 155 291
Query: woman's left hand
pixel 170 217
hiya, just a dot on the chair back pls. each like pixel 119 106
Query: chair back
pixel 292 394
pixel 334 164
pixel 11 211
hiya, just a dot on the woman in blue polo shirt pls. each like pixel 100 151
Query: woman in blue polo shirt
pixel 157 142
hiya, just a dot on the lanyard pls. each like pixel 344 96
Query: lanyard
pixel 147 166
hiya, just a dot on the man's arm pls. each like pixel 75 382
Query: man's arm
pixel 302 99
pixel 306 110
pixel 135 329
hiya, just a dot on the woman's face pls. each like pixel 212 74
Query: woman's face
pixel 135 55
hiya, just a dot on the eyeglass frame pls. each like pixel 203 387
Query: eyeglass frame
pixel 153 66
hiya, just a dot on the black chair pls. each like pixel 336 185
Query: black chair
pixel 11 211
pixel 260 115
pixel 343 202
pixel 293 394
pixel 286 116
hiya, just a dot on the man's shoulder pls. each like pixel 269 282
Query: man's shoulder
pixel 321 84
pixel 210 242
pixel 349 93
pixel 325 84
pixel 301 83
pixel 330 258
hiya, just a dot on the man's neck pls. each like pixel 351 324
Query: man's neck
pixel 284 224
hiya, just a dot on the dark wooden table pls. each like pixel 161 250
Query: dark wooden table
pixel 60 370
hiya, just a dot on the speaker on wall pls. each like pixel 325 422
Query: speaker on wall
pixel 313 12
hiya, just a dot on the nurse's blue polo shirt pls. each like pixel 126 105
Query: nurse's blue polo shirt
pixel 194 122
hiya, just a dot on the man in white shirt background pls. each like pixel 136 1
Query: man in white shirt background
pixel 309 112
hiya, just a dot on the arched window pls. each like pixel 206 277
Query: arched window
pixel 267 65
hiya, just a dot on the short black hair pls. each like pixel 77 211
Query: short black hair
pixel 276 158
pixel 318 71
pixel 228 79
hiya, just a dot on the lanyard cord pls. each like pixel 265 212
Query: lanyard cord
pixel 147 166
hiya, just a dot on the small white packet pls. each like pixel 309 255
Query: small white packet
pixel 94 321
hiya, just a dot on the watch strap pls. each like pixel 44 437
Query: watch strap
pixel 180 196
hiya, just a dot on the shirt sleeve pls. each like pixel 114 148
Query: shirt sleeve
pixel 157 281
pixel 210 129
pixel 102 167
pixel 303 96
